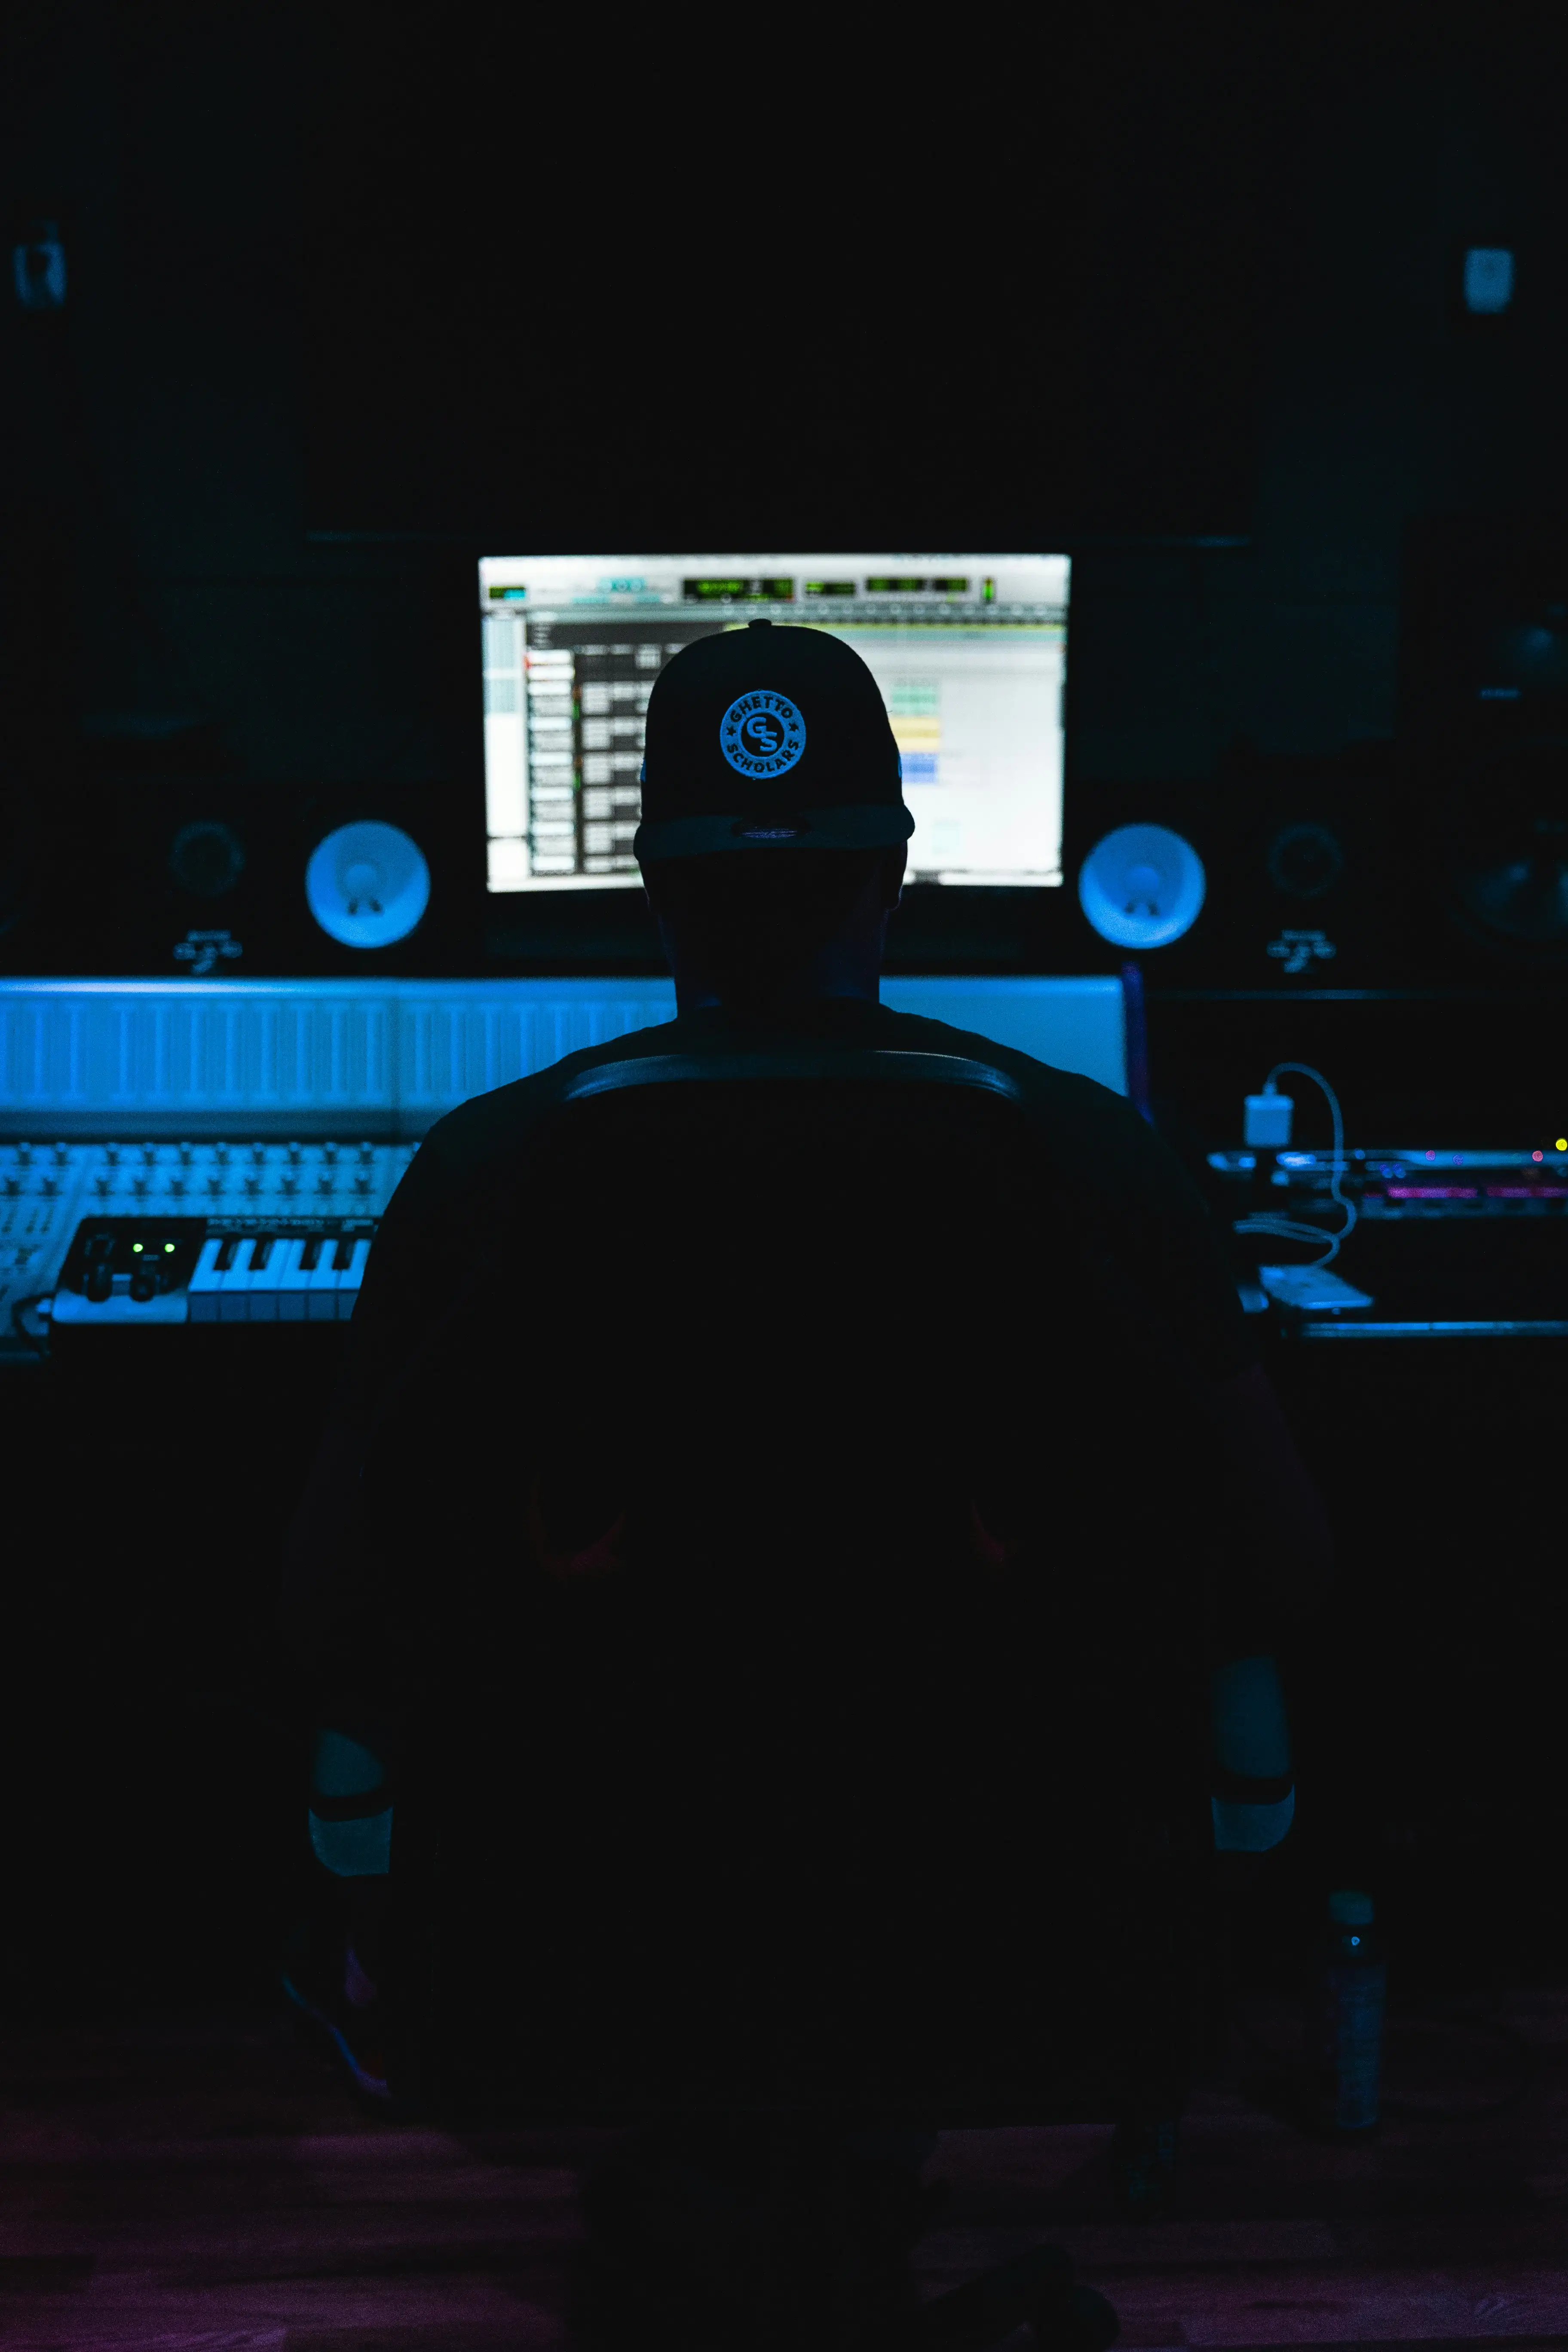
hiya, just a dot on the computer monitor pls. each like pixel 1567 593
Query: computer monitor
pixel 970 652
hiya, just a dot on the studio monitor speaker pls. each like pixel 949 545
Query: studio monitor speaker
pixel 1483 782
pixel 166 863
pixel 1287 855
pixel 1142 887
pixel 367 885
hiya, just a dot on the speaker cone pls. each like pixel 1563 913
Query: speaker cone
pixel 1142 887
pixel 367 885
pixel 1509 847
pixel 206 859
pixel 1305 860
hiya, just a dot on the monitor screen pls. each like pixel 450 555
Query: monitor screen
pixel 970 652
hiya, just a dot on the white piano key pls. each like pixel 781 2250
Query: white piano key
pixel 293 1286
pixel 263 1291
pixel 351 1278
pixel 324 1283
pixel 233 1286
pixel 203 1290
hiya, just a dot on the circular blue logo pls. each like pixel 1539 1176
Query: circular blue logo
pixel 761 733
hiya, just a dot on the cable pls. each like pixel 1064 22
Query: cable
pixel 38 1340
pixel 1293 1229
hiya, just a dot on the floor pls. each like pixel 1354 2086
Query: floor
pixel 215 2189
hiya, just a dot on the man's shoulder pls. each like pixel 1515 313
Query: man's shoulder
pixel 1074 1101
pixel 491 1126
pixel 1146 1203
pixel 508 1109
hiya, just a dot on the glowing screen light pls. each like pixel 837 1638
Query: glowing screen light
pixel 1488 279
pixel 969 653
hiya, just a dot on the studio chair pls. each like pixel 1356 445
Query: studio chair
pixel 795 1580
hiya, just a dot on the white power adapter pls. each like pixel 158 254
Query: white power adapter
pixel 1267 1118
pixel 1267 1128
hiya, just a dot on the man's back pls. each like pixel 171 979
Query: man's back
pixel 1126 1192
pixel 854 1401
pixel 788 1550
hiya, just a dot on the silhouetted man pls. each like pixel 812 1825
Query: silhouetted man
pixel 772 853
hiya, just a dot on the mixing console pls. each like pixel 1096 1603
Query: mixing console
pixel 105 1062
pixel 119 1233
pixel 237 1231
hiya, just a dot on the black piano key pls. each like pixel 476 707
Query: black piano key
pixel 343 1255
pixel 311 1256
pixel 225 1258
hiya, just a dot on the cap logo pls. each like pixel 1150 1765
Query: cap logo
pixel 761 733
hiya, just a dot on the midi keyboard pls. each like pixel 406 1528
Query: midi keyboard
pixel 113 1234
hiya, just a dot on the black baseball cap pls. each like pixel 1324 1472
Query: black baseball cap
pixel 767 738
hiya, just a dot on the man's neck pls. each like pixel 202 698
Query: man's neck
pixel 849 966
pixel 695 995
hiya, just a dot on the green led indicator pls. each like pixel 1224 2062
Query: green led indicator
pixel 136 1247
pixel 168 1249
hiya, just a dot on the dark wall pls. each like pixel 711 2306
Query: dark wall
pixel 868 303
pixel 1256 220
pixel 175 646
